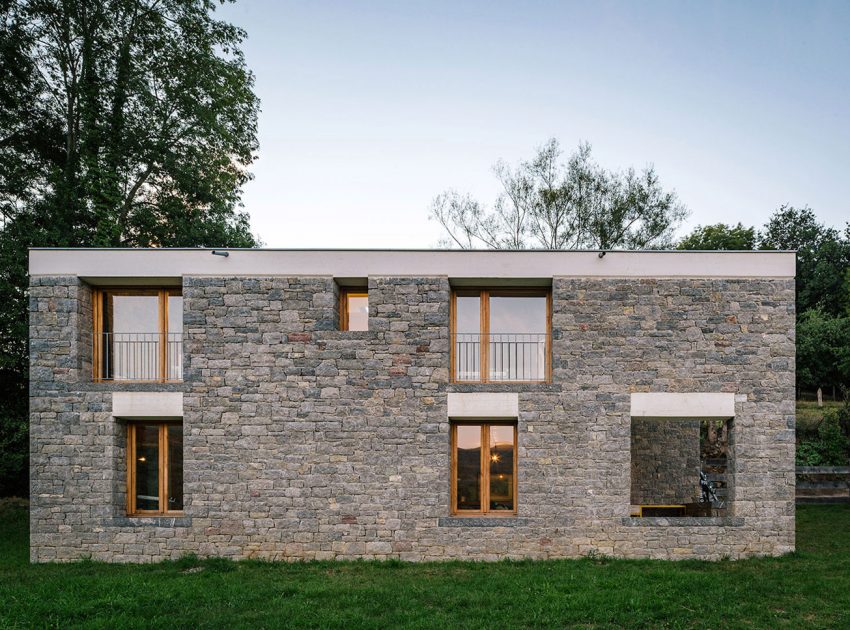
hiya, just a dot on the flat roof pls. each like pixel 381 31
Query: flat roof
pixel 102 265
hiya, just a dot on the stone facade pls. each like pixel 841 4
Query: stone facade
pixel 665 461
pixel 306 442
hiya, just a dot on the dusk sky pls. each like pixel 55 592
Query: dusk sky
pixel 369 110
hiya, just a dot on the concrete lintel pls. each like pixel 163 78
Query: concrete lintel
pixel 142 405
pixel 485 405
pixel 690 405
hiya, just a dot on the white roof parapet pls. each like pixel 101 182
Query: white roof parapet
pixel 174 263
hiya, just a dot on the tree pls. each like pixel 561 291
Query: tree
pixel 720 237
pixel 122 123
pixel 823 287
pixel 553 205
pixel 823 258
pixel 823 351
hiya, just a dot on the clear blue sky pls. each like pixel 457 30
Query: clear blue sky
pixel 371 109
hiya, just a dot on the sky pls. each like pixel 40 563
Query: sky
pixel 371 109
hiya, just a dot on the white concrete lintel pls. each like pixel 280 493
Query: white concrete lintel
pixel 484 405
pixel 141 405
pixel 690 405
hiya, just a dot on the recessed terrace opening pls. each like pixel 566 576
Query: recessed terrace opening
pixel 501 335
pixel 680 467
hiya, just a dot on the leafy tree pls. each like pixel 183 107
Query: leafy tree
pixel 823 258
pixel 122 123
pixel 554 205
pixel 720 237
pixel 823 351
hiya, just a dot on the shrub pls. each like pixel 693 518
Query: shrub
pixel 831 446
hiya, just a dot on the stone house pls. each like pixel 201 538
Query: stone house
pixel 421 405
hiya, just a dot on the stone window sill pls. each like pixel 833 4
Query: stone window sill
pixel 469 387
pixel 133 386
pixel 481 521
pixel 684 521
pixel 149 521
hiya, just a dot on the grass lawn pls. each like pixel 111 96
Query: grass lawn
pixel 810 588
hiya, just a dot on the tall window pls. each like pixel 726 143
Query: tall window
pixel 353 309
pixel 155 468
pixel 501 335
pixel 484 468
pixel 138 334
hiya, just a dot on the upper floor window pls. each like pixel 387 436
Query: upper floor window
pixel 501 335
pixel 138 334
pixel 353 309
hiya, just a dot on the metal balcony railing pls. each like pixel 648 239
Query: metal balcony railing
pixel 508 357
pixel 139 356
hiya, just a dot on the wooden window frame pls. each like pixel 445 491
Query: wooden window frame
pixel 344 295
pixel 484 490
pixel 163 469
pixel 99 310
pixel 484 305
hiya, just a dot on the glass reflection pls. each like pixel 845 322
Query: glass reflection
pixel 131 327
pixel 358 312
pixel 147 467
pixel 517 338
pixel 468 338
pixel 174 346
pixel 468 467
pixel 501 464
pixel 175 467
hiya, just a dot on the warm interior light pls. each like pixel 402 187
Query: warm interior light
pixel 494 457
pixel 142 459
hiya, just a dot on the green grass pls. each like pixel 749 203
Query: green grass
pixel 810 588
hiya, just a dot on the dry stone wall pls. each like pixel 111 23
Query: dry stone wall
pixel 665 461
pixel 306 442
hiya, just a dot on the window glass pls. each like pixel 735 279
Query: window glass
pixel 131 330
pixel 468 338
pixel 501 464
pixel 468 467
pixel 468 319
pixel 358 312
pixel 133 313
pixel 147 467
pixel 517 314
pixel 174 342
pixel 517 341
pixel 175 314
pixel 175 467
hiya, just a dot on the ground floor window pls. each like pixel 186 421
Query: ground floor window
pixel 680 467
pixel 484 467
pixel 154 468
